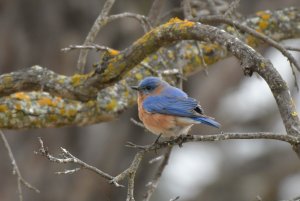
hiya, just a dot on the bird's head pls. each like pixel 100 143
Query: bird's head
pixel 149 85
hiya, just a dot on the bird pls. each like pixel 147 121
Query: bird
pixel 168 111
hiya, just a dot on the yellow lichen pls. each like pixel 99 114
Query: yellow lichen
pixel 126 94
pixel 138 76
pixel 188 23
pixel 21 96
pixel 47 102
pixel 61 80
pixel 18 106
pixel 62 111
pixel 264 15
pixel 174 20
pixel 7 80
pixel 250 40
pixel 182 23
pixel 292 102
pixel 77 79
pixel 113 52
pixel 68 112
pixel 111 105
pixel 3 108
pixel 263 24
pixel 294 114
pixel 262 65
pixel 209 48
pixel 91 103
pixel 230 29
pixel 71 112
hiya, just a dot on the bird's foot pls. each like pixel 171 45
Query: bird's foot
pixel 156 143
pixel 157 139
pixel 180 140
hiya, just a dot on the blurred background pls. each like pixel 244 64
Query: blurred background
pixel 33 32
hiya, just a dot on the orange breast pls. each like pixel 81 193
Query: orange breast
pixel 156 123
pixel 166 125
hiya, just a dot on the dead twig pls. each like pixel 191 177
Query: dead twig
pixel 261 36
pixel 140 124
pixel 152 185
pixel 130 173
pixel 67 157
pixel 211 5
pixel 292 48
pixel 16 171
pixel 140 18
pixel 90 47
pixel 187 9
pixel 294 141
pixel 155 10
pixel 98 24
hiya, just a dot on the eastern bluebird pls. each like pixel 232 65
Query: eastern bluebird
pixel 168 111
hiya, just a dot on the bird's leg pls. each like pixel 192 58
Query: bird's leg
pixel 156 142
pixel 179 140
pixel 157 139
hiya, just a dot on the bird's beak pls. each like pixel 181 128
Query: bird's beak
pixel 135 88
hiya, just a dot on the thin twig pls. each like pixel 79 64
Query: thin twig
pixel 67 157
pixel 155 10
pixel 140 18
pixel 261 36
pixel 297 49
pixel 172 12
pixel 68 171
pixel 140 124
pixel 187 9
pixel 91 47
pixel 101 21
pixel 231 8
pixel 211 5
pixel 258 198
pixel 16 171
pixel 152 185
pixel 98 24
pixel 130 173
pixel 174 199
pixel 217 137
pixel 156 159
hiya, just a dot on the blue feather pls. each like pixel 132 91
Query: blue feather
pixel 171 105
pixel 207 121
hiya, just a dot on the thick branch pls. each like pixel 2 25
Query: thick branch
pixel 85 87
pixel 39 109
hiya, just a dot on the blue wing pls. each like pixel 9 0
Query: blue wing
pixel 171 105
pixel 178 106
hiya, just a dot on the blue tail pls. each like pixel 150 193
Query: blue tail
pixel 207 121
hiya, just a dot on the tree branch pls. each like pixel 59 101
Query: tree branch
pixel 67 157
pixel 155 10
pixel 294 141
pixel 100 21
pixel 257 34
pixel 152 185
pixel 130 172
pixel 16 171
pixel 39 109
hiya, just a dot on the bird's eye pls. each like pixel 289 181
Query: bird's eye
pixel 148 88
